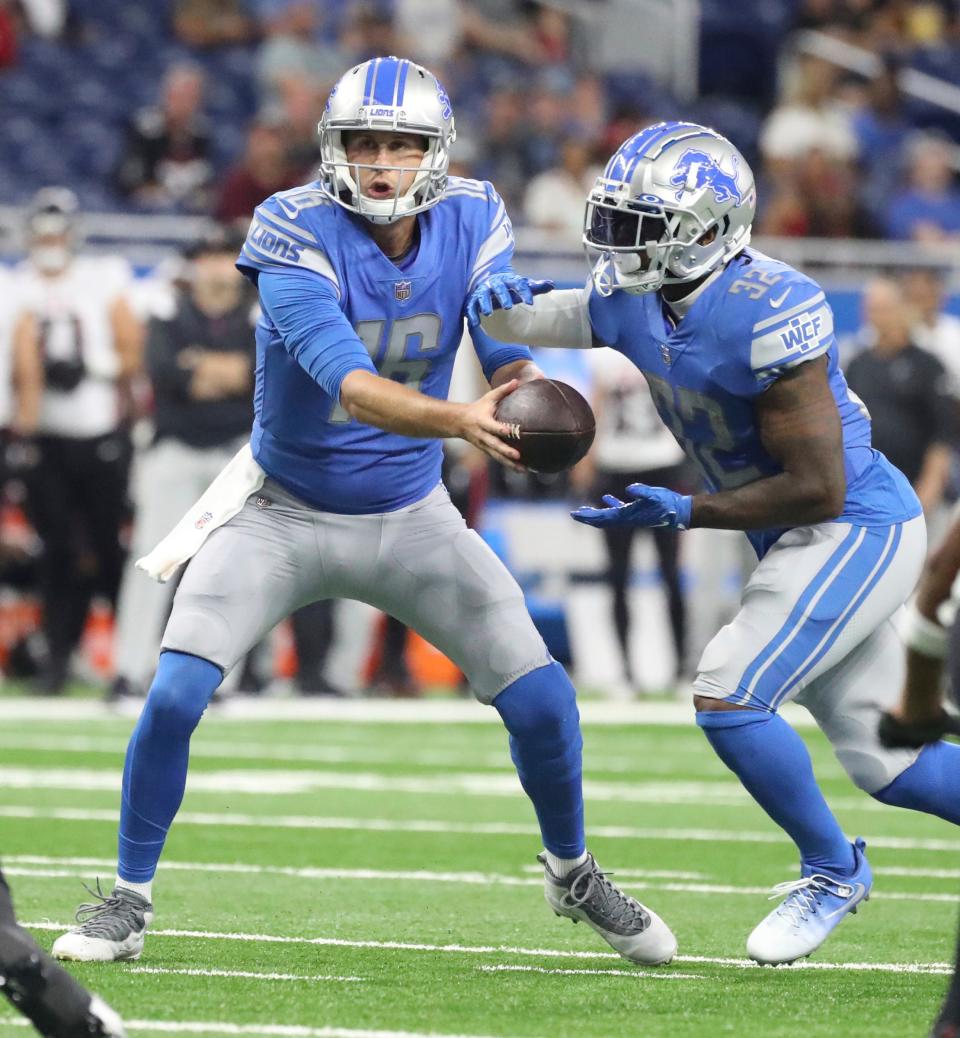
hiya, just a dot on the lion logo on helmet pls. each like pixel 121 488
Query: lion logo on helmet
pixel 697 170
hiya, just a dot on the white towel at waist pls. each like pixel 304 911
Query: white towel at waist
pixel 221 501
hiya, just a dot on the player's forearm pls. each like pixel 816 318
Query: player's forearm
pixel 554 319
pixel 781 500
pixel 521 370
pixel 922 696
pixel 398 409
pixel 27 376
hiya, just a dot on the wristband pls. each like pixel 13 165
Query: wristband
pixel 923 635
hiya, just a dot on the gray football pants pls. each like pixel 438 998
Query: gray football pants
pixel 167 478
pixel 420 564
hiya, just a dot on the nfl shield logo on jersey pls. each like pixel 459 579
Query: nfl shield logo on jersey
pixel 401 291
pixel 665 353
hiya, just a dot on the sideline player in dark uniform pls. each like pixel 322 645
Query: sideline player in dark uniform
pixel 44 992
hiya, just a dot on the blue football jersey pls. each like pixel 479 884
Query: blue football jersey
pixel 758 319
pixel 410 319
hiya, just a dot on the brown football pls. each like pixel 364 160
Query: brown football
pixel 554 423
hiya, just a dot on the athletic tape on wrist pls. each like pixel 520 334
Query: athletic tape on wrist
pixel 923 635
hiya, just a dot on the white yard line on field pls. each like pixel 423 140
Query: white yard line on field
pixel 380 711
pixel 632 974
pixel 30 861
pixel 227 749
pixel 484 879
pixel 551 953
pixel 274 782
pixel 247 975
pixel 392 825
pixel 259 1030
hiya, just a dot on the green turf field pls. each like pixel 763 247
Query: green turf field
pixel 331 878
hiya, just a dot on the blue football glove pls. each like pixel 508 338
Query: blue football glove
pixel 500 291
pixel 652 506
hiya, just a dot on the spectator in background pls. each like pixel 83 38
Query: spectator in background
pixel 84 343
pixel 633 445
pixel 554 199
pixel 200 363
pixel 8 35
pixel 906 391
pixel 297 117
pixel 815 196
pixel 429 31
pixel 294 50
pixel 881 131
pixel 504 28
pixel 587 108
pixel 207 24
pixel 263 169
pixel 928 209
pixel 809 119
pixel 501 158
pixel 368 32
pixel 933 329
pixel 165 164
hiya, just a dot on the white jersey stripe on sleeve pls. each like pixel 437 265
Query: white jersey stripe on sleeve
pixel 278 221
pixel 311 259
pixel 800 336
pixel 461 192
pixel 499 241
pixel 807 304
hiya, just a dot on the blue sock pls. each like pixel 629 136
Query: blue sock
pixel 540 713
pixel 773 764
pixel 155 771
pixel 930 784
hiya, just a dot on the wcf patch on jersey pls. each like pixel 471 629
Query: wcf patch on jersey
pixel 803 333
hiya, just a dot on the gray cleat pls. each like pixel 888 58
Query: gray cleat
pixel 110 929
pixel 636 932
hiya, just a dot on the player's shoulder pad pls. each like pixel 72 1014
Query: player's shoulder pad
pixel 476 203
pixel 782 314
pixel 482 218
pixel 471 193
pixel 289 230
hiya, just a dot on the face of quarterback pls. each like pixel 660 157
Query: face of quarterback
pixel 379 149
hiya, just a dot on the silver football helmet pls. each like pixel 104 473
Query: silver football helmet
pixel 651 212
pixel 386 94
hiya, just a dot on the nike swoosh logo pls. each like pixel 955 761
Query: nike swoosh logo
pixel 855 897
pixel 777 303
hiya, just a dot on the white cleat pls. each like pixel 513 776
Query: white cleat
pixel 586 894
pixel 814 905
pixel 110 930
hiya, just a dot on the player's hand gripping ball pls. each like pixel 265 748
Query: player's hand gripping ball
pixel 553 424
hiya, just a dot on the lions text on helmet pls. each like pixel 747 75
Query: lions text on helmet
pixel 675 202
pixel 385 139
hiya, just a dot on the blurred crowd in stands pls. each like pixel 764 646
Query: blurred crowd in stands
pixel 205 107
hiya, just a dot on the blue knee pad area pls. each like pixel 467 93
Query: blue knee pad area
pixel 540 712
pixel 931 784
pixel 155 770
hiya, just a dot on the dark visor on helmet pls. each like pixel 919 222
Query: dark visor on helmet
pixel 622 228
